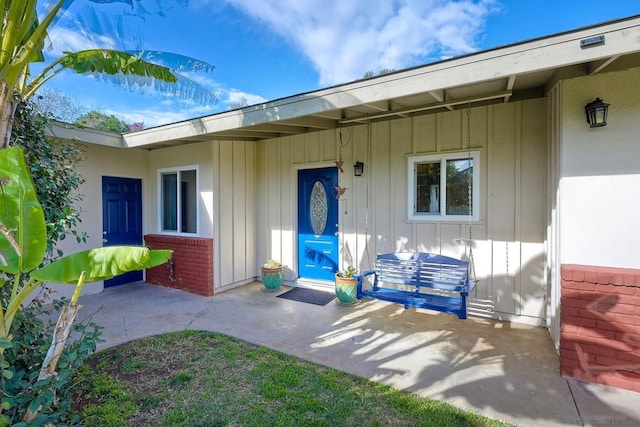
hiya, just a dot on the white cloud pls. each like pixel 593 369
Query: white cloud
pixel 67 39
pixel 153 117
pixel 235 97
pixel 345 39
pixel 227 97
pixel 171 110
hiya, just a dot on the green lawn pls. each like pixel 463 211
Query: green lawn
pixel 207 379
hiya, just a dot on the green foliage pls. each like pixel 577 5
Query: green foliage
pixel 118 405
pixel 369 74
pixel 53 168
pixel 23 36
pixel 100 263
pixel 32 330
pixel 101 121
pixel 23 241
pixel 272 263
pixel 133 365
pixel 113 62
pixel 348 273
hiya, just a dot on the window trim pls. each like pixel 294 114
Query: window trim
pixel 178 170
pixel 414 160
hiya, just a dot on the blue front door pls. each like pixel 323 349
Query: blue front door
pixel 317 223
pixel 122 219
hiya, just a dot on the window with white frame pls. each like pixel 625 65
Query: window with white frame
pixel 178 188
pixel 444 187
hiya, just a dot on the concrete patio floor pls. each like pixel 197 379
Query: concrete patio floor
pixel 502 370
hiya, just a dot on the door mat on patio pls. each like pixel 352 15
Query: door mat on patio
pixel 312 296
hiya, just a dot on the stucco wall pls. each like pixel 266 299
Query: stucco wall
pixel 508 239
pixel 600 182
pixel 99 161
pixel 227 200
pixel 199 155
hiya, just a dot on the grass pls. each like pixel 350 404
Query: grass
pixel 207 379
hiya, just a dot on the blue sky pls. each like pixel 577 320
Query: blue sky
pixel 268 49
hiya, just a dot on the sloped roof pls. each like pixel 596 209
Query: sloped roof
pixel 515 72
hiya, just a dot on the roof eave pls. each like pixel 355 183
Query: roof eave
pixel 547 53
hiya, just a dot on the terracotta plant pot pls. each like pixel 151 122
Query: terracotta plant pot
pixel 346 290
pixel 271 278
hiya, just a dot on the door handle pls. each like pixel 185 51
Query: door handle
pixel 104 240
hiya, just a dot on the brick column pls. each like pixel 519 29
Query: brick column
pixel 192 263
pixel 600 325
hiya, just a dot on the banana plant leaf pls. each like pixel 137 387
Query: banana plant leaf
pixel 114 62
pixel 101 263
pixel 23 231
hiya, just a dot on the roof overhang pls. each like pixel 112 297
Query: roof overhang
pixel 57 129
pixel 515 72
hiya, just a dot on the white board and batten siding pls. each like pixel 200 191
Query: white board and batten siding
pixel 236 211
pixel 508 239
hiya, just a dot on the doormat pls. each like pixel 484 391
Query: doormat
pixel 311 296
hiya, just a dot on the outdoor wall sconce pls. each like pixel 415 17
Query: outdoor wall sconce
pixel 596 112
pixel 358 169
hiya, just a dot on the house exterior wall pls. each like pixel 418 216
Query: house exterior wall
pixel 600 172
pixel 508 239
pixel 554 155
pixel 190 267
pixel 199 155
pixel 227 205
pixel 99 161
pixel 235 213
pixel 600 325
pixel 226 178
pixel 597 245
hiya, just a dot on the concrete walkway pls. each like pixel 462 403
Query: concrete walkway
pixel 502 370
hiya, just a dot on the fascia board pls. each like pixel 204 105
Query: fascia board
pixel 71 132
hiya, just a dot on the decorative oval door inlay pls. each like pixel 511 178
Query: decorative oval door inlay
pixel 318 208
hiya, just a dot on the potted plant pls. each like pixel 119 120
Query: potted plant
pixel 271 275
pixel 345 283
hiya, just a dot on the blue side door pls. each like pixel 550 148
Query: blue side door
pixel 317 223
pixel 122 219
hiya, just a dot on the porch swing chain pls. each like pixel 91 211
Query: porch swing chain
pixel 469 198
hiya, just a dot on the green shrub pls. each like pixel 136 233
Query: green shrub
pixel 22 358
pixel 52 166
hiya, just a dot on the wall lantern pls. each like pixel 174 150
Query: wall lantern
pixel 358 169
pixel 596 112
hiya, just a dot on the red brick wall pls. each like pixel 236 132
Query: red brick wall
pixel 600 325
pixel 192 263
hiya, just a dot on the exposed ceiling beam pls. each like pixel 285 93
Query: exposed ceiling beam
pixel 312 122
pixel 510 83
pixel 410 110
pixel 440 96
pixel 243 135
pixel 380 105
pixel 278 128
pixel 569 72
pixel 329 115
pixel 597 66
